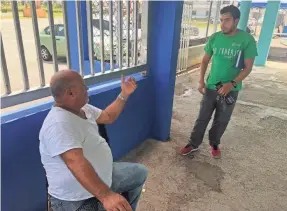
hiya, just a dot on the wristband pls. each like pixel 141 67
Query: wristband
pixel 234 84
pixel 122 98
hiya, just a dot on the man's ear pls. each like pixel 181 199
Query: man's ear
pixel 236 22
pixel 69 92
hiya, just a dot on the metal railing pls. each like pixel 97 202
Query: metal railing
pixel 195 30
pixel 117 42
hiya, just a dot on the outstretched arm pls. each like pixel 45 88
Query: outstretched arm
pixel 246 71
pixel 111 113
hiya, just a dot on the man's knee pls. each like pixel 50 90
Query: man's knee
pixel 141 173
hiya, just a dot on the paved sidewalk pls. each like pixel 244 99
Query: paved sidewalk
pixel 252 173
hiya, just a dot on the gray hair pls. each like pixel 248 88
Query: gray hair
pixel 59 86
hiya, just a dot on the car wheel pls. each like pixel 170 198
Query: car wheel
pixel 45 54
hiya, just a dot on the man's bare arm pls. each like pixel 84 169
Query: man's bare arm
pixel 226 88
pixel 246 71
pixel 112 112
pixel 85 173
pixel 89 179
pixel 203 66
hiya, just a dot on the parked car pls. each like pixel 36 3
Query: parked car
pixel 46 41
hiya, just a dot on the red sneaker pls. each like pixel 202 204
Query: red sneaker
pixel 215 151
pixel 187 149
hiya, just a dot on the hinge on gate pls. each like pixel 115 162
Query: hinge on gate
pixel 144 73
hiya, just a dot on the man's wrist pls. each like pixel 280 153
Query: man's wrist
pixel 103 195
pixel 123 96
pixel 234 83
pixel 201 81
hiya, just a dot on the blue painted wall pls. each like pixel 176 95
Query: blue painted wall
pixel 147 113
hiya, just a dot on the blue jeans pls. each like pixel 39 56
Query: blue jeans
pixel 127 179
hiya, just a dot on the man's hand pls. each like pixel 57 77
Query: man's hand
pixel 111 113
pixel 225 89
pixel 115 202
pixel 128 86
pixel 201 87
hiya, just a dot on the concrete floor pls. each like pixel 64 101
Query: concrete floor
pixel 252 173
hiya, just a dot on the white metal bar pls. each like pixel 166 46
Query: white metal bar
pixel 186 37
pixel 80 37
pixel 102 38
pixel 90 35
pixel 120 33
pixel 116 74
pixel 216 16
pixel 135 40
pixel 128 33
pixel 111 36
pixel 20 44
pixel 38 45
pixel 23 97
pixel 52 34
pixel 65 18
pixel 180 49
pixel 284 34
pixel 4 68
pixel 209 15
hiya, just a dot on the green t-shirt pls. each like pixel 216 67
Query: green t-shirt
pixel 224 51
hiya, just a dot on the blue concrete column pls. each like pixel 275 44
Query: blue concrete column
pixel 72 30
pixel 266 33
pixel 244 14
pixel 163 44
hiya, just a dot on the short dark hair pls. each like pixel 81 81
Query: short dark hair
pixel 235 12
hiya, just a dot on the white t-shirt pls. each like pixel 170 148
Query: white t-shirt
pixel 62 131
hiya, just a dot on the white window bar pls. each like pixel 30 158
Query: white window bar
pixel 52 34
pixel 4 71
pixel 102 38
pixel 179 59
pixel 120 33
pixel 128 33
pixel 216 16
pixel 111 36
pixel 90 35
pixel 135 40
pixel 209 15
pixel 20 45
pixel 80 37
pixel 65 19
pixel 38 46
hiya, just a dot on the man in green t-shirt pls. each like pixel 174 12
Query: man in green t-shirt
pixel 232 52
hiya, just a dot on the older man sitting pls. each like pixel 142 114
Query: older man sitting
pixel 79 165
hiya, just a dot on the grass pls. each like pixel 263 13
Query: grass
pixel 199 24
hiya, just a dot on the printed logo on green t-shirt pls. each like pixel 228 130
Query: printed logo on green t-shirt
pixel 225 51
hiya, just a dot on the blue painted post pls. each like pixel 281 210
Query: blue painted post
pixel 72 30
pixel 244 14
pixel 266 33
pixel 164 35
